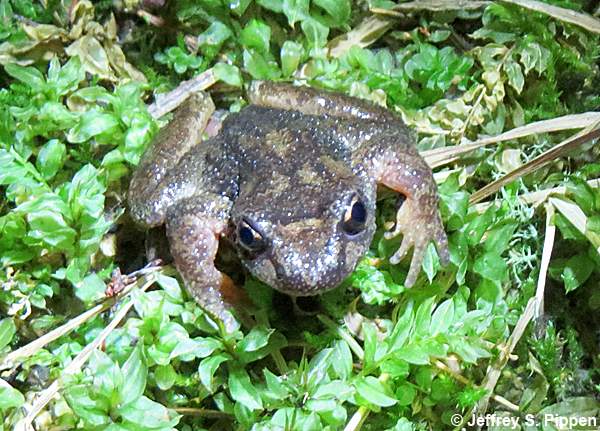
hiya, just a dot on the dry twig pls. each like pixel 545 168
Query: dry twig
pixel 168 102
pixel 543 159
pixel 562 14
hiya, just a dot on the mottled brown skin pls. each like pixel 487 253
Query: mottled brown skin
pixel 291 166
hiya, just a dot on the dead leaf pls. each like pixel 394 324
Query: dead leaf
pixel 562 14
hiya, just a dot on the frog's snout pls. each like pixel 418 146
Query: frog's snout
pixel 313 260
pixel 302 270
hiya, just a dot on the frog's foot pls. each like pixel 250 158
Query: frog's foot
pixel 418 227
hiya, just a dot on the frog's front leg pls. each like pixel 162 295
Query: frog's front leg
pixel 401 168
pixel 147 205
pixel 194 226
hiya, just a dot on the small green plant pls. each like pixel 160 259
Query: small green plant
pixel 179 59
pixel 74 122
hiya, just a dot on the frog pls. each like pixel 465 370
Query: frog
pixel 291 181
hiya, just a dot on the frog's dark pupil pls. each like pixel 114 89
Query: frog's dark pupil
pixel 359 212
pixel 250 237
pixel 355 217
pixel 246 236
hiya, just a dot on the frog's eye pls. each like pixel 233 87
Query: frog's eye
pixel 250 238
pixel 355 217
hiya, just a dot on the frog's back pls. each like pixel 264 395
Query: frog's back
pixel 290 164
pixel 283 141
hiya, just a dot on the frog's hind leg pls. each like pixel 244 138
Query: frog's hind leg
pixel 171 143
pixel 311 101
pixel 194 226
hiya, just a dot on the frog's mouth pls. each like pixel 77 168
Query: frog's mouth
pixel 307 271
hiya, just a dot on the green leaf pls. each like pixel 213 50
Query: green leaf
pixel 258 67
pixel 228 73
pixel 92 123
pixel 376 286
pixel 67 78
pixel 137 136
pixel 87 405
pixel 272 5
pixel 334 390
pixel 515 75
pixel 395 367
pixel 274 384
pixel 90 289
pixel 291 54
pixel 342 359
pixel 215 35
pixel 256 35
pixel 491 266
pixel 402 329
pixel 200 347
pixel 27 75
pixel 295 10
pixel 135 372
pixel 165 376
pixel 7 331
pixel 256 339
pixel 499 237
pixel 316 33
pixel 439 35
pixel 147 414
pixel 242 390
pixel 423 317
pixel 9 396
pixel 208 367
pixel 370 343
pixel 338 9
pixel 431 262
pixel 239 6
pixel 51 158
pixel 423 378
pixel 373 391
pixel 467 349
pixel 442 317
pixel 454 207
pixel 50 228
pixel 171 286
pixel 405 393
pixel 476 228
pixel 276 342
pixel 576 271
pixel 413 353
pixel 593 224
pixel 107 375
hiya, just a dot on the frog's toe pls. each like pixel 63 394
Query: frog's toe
pixel 418 229
pixel 412 239
pixel 415 263
pixel 406 244
pixel 441 244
